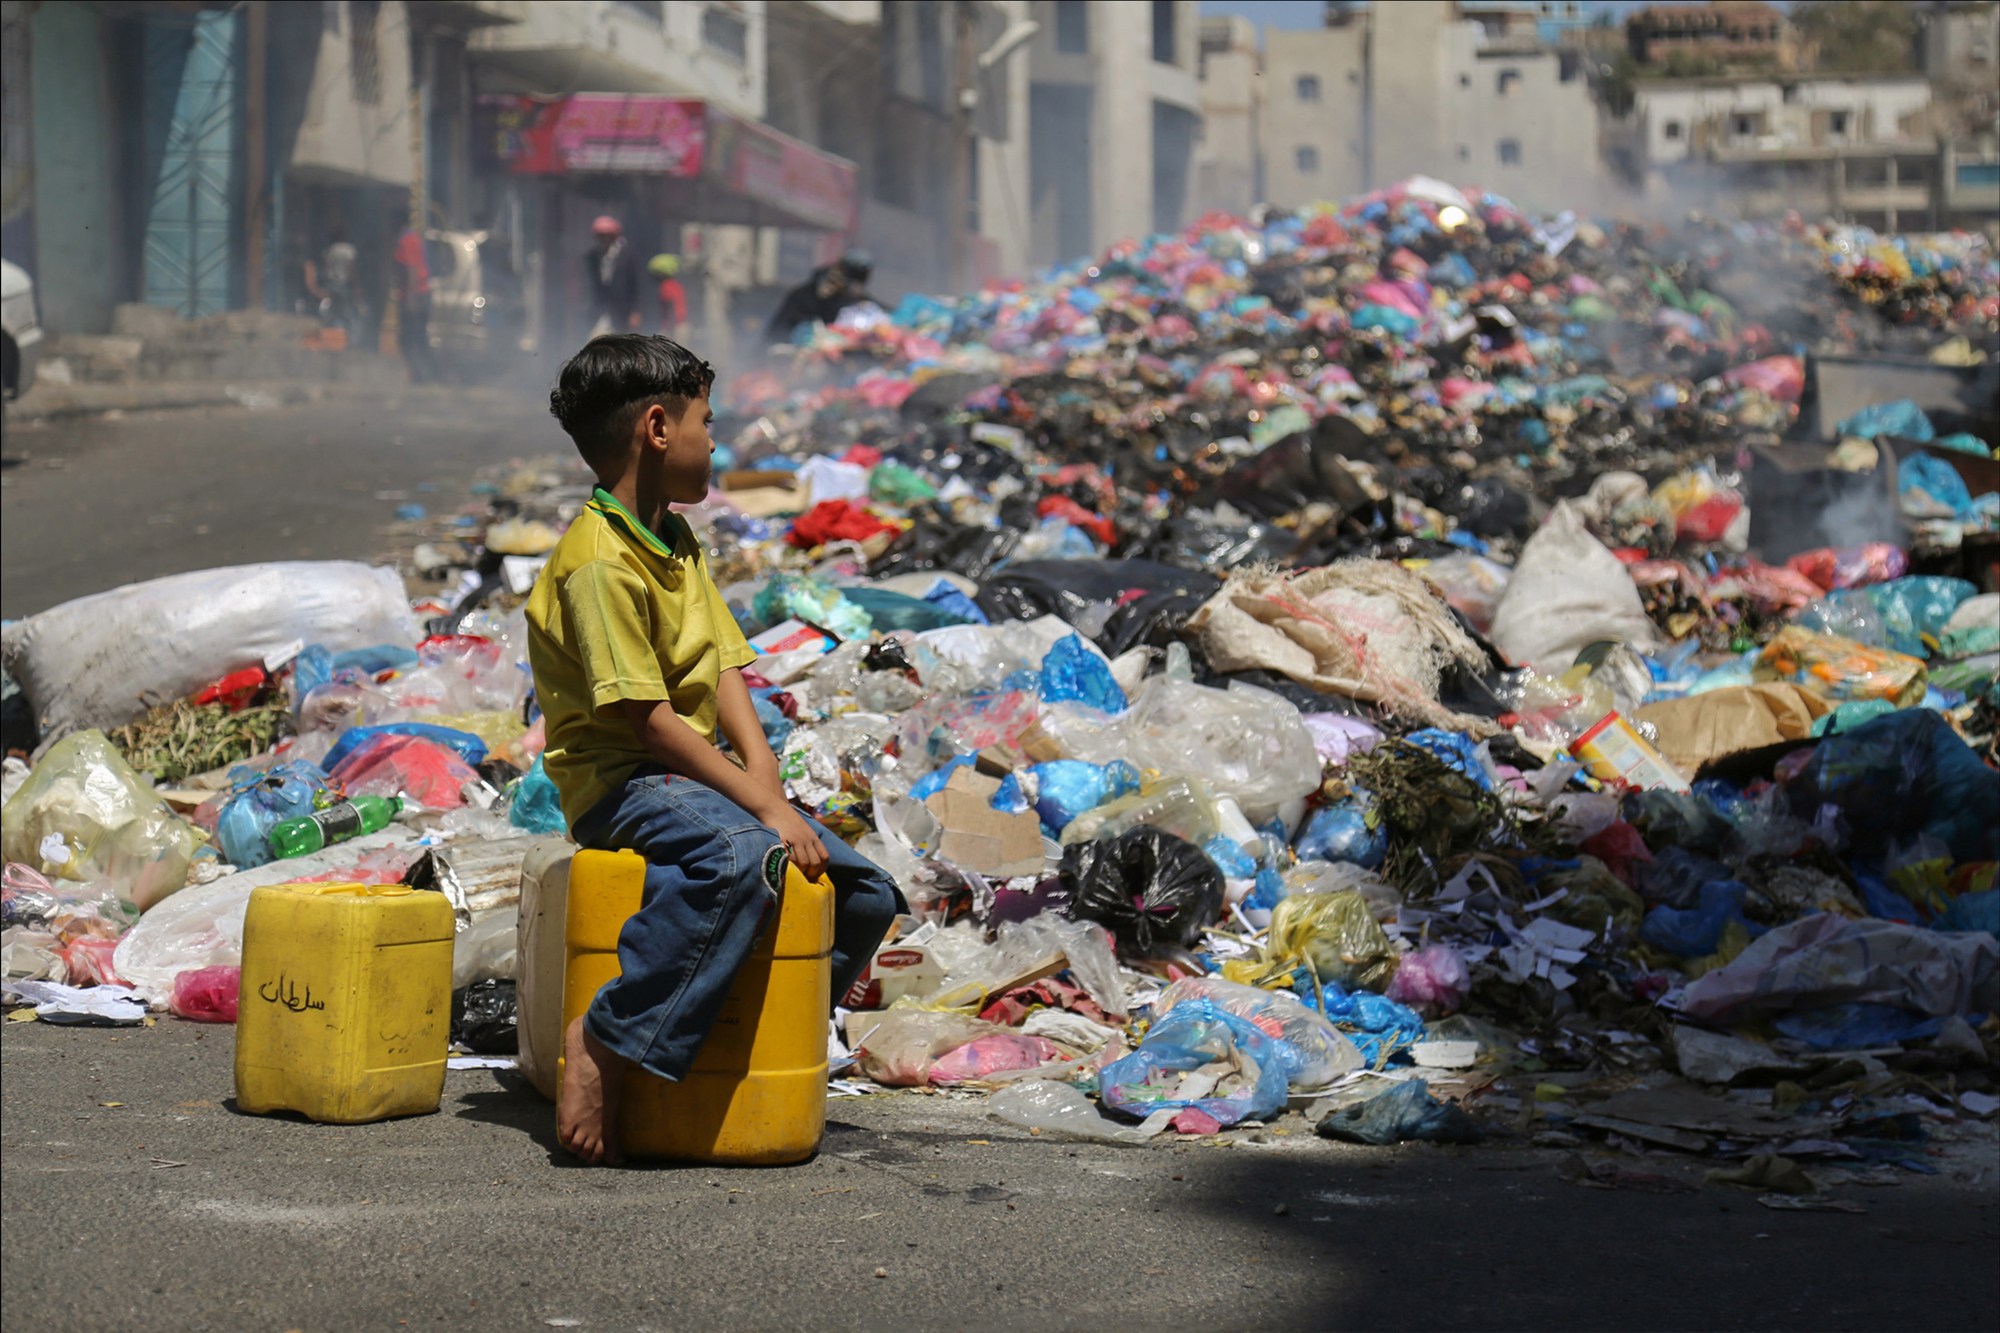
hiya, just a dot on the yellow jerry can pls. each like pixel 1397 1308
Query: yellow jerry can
pixel 344 1011
pixel 756 1094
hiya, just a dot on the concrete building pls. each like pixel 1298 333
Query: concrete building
pixel 712 49
pixel 1229 155
pixel 1464 92
pixel 876 84
pixel 1730 34
pixel 1853 147
pixel 1958 50
pixel 1114 105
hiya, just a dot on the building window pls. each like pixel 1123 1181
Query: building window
pixel 1308 87
pixel 1672 129
pixel 1072 26
pixel 1306 159
pixel 1465 80
pixel 1164 36
pixel 1464 153
pixel 724 31
pixel 652 11
pixel 1836 123
pixel 1507 81
pixel 1742 125
pixel 1510 152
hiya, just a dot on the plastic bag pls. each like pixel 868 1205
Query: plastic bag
pixel 1040 1104
pixel 1245 744
pixel 1351 832
pixel 803 597
pixel 1900 778
pixel 1335 936
pixel 1149 888
pixel 1433 981
pixel 985 1056
pixel 464 744
pixel 1840 669
pixel 84 815
pixel 1199 1057
pixel 1378 1026
pixel 537 805
pixel 259 800
pixel 1073 672
pixel 1827 959
pixel 1403 1113
pixel 1064 789
pixel 1901 418
pixel 485 1017
pixel 207 994
pixel 409 766
pixel 898 1047
pixel 1311 1050
pixel 97 661
pixel 1568 591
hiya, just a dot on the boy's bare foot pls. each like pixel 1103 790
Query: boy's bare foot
pixel 587 1107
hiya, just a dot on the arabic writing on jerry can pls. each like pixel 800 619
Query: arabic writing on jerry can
pixel 344 1014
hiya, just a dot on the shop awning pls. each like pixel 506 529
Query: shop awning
pixel 719 166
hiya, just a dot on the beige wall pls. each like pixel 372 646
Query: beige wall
pixel 1230 150
pixel 346 138
pixel 1334 127
pixel 572 46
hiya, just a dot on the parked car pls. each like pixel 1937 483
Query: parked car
pixel 479 314
pixel 23 332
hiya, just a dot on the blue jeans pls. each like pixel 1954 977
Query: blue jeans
pixel 713 873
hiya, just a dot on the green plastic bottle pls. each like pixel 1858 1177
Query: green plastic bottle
pixel 337 823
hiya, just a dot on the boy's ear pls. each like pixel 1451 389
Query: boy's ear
pixel 655 425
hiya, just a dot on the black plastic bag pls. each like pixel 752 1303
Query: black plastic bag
pixel 933 544
pixel 483 1018
pixel 1302 469
pixel 1152 621
pixel 1029 589
pixel 1150 889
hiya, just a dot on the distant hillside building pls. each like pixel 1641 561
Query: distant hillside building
pixel 1733 34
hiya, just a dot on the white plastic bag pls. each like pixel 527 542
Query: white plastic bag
pixel 84 815
pixel 95 662
pixel 1568 591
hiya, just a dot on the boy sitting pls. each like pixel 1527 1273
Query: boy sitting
pixel 637 663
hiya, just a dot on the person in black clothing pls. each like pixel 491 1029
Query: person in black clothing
pixel 820 299
pixel 613 274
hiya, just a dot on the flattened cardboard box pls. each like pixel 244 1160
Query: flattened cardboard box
pixel 980 838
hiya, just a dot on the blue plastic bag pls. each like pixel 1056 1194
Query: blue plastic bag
pixel 893 611
pixel 1937 479
pixel 1350 831
pixel 259 799
pixel 1377 1025
pixel 946 597
pixel 1193 1034
pixel 462 743
pixel 1902 417
pixel 1695 932
pixel 1900 777
pixel 1074 672
pixel 1856 1026
pixel 537 805
pixel 1230 859
pixel 1972 911
pixel 1458 750
pixel 933 782
pixel 1406 1111
pixel 1066 788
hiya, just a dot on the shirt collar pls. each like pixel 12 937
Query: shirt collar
pixel 607 504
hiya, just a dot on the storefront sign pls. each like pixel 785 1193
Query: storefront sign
pixel 635 133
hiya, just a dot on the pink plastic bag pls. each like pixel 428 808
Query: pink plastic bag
pixel 1433 981
pixel 207 994
pixel 411 766
pixel 88 962
pixel 993 1055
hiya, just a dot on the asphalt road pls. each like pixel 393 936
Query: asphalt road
pixel 137 1198
pixel 93 503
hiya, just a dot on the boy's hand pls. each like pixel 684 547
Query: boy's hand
pixel 808 852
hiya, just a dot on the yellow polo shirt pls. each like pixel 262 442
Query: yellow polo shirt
pixel 620 613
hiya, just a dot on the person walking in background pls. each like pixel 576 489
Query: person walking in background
pixel 614 279
pixel 673 297
pixel 821 297
pixel 411 290
pixel 331 282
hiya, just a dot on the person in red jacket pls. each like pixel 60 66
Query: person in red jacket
pixel 673 297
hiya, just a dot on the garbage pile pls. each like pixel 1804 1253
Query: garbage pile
pixel 1324 664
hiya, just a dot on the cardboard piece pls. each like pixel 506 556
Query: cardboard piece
pixel 1702 728
pixel 977 837
pixel 905 967
pixel 1038 746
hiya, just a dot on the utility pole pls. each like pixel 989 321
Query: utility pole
pixel 963 145
pixel 257 193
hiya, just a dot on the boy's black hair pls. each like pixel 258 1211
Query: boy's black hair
pixel 603 389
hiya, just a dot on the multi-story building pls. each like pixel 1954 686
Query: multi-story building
pixel 1466 92
pixel 1229 153
pixel 1854 147
pixel 1727 34
pixel 943 188
pixel 1114 106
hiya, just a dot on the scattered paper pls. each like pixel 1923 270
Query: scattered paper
pixel 86 1006
pixel 481 1062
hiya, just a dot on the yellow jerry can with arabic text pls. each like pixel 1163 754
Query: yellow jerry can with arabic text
pixel 344 1009
pixel 756 1094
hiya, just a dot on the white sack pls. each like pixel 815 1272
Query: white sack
pixel 1568 591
